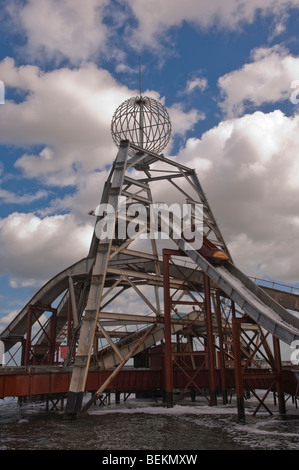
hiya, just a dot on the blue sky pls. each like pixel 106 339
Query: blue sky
pixel 224 70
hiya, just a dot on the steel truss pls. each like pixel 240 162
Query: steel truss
pixel 132 293
pixel 111 254
pixel 230 340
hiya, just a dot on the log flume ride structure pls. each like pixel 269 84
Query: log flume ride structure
pixel 146 313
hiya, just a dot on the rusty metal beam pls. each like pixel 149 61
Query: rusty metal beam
pixel 238 368
pixel 279 387
pixel 167 334
pixel 221 349
pixel 210 342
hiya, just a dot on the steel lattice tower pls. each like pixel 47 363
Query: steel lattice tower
pixel 180 290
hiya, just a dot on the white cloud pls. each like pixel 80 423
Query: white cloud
pixel 31 283
pixel 67 112
pixel 249 170
pixel 199 82
pixel 7 319
pixel 62 28
pixel 37 248
pixel 86 197
pixel 183 121
pixel 79 31
pixel 155 18
pixel 267 79
pixel 11 198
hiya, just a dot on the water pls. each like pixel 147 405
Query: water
pixel 147 426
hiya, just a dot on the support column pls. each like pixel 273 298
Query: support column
pixel 238 368
pixel 53 324
pixel 221 350
pixel 99 271
pixel 279 389
pixel 28 337
pixel 69 322
pixel 210 343
pixel 167 333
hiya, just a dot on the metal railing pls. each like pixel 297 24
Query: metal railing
pixel 276 285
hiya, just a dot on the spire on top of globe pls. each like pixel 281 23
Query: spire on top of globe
pixel 143 121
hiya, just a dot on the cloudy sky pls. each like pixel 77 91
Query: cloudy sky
pixel 228 73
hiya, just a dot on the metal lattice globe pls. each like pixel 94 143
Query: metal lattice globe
pixel 144 122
